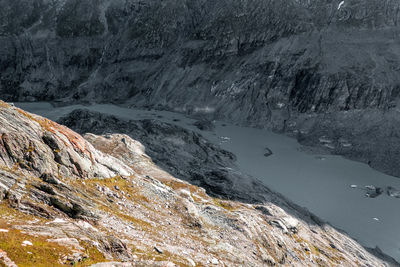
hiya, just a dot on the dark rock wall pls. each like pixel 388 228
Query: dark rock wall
pixel 245 59
pixel 255 62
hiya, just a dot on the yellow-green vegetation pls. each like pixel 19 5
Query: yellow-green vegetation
pixel 93 255
pixel 224 204
pixel 132 193
pixel 176 185
pixel 124 185
pixel 42 252
pixel 333 257
pixel 8 212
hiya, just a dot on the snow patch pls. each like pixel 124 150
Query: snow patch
pixel 340 5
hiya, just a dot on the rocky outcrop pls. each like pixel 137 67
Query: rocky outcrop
pixel 369 136
pixel 37 145
pixel 143 217
pixel 181 152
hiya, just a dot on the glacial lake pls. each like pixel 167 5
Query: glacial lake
pixel 321 183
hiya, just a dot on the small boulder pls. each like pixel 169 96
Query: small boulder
pixel 158 250
pixel 268 152
pixel 392 192
pixel 204 125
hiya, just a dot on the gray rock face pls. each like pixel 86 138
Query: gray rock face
pixel 37 145
pixel 183 153
pixel 255 62
pixel 249 61
pixel 369 136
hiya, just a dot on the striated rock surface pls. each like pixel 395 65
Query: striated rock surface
pixel 38 145
pixel 123 210
pixel 255 62
pixel 369 136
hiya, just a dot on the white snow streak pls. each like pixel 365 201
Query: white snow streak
pixel 340 5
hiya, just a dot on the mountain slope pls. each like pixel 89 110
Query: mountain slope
pixel 119 206
pixel 268 64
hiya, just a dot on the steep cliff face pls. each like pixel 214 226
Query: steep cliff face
pixel 249 60
pixel 260 63
pixel 121 207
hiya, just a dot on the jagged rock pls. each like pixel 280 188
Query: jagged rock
pixel 114 245
pixel 158 250
pixel 378 148
pixel 268 152
pixel 184 153
pixel 204 125
pixel 264 210
pixel 49 178
pixel 84 215
pixel 373 192
pixel 393 192
pixel 25 144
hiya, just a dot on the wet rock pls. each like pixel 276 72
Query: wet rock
pixel 204 125
pixel 393 192
pixel 373 192
pixel 268 152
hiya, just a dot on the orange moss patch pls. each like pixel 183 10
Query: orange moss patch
pixel 4 104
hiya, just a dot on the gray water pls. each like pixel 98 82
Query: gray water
pixel 321 185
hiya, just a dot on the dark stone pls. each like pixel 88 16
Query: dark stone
pixel 158 250
pixel 49 178
pixel 393 192
pixel 268 152
pixel 204 125
pixel 263 210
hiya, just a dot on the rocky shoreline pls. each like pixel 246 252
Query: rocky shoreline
pixel 57 207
